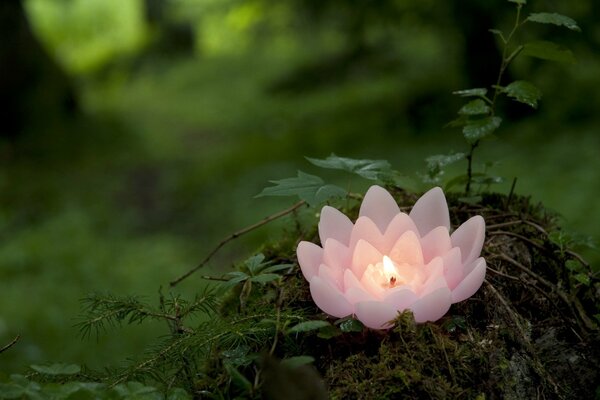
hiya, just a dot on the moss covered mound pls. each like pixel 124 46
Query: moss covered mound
pixel 529 332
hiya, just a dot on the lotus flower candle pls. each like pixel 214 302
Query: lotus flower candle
pixel 389 261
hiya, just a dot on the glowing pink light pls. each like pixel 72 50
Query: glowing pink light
pixel 389 261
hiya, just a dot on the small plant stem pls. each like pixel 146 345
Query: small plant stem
pixel 506 60
pixel 11 344
pixel 470 166
pixel 235 235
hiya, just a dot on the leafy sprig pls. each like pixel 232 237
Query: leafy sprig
pixel 478 117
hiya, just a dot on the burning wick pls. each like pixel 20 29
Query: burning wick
pixel 389 270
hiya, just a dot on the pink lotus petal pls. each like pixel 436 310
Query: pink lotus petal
pixel 333 276
pixel 433 306
pixel 379 206
pixel 453 267
pixel 310 257
pixel 370 285
pixel 335 225
pixel 407 250
pixel 469 237
pixel 435 243
pixel 400 224
pixel 375 314
pixel 355 295
pixel 400 298
pixel 329 299
pixel 433 285
pixel 336 255
pixel 364 254
pixel 351 281
pixel 431 211
pixel 434 271
pixel 366 229
pixel 471 283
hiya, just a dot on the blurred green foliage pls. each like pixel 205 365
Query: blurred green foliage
pixel 170 149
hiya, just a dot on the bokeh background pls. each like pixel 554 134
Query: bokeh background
pixel 134 134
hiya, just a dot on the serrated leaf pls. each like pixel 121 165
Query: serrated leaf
pixel 480 128
pixel 351 325
pixel 368 169
pixel 555 19
pixel 474 107
pixel 264 278
pixel 475 92
pixel 307 326
pixel 523 92
pixel 297 361
pixel 548 51
pixel 57 369
pixel 309 188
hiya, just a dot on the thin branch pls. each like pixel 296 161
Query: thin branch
pixel 11 344
pixel 235 235
pixel 572 302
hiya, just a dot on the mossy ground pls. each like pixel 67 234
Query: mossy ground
pixel 529 332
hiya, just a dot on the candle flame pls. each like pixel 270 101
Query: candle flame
pixel 389 269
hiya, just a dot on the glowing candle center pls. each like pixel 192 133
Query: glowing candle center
pixel 390 271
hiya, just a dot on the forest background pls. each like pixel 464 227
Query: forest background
pixel 135 134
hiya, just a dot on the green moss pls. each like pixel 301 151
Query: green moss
pixel 492 344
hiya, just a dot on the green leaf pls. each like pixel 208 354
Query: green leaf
pixel 277 268
pixel 521 2
pixel 573 265
pixel 523 92
pixel 351 325
pixel 237 378
pixel 555 19
pixel 480 128
pixel 436 164
pixel 476 92
pixel 57 369
pixel 255 263
pixel 498 32
pixel 309 188
pixel 485 179
pixel 237 277
pixel 11 391
pixel 548 51
pixel 137 390
pixel 475 107
pixel 178 394
pixel 329 332
pixel 297 361
pixel 368 169
pixel 583 278
pixel 308 326
pixel 264 278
